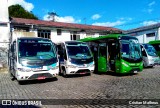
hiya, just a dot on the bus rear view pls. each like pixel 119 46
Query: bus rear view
pixel 33 58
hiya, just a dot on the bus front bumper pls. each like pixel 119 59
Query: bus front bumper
pixel 78 70
pixel 135 70
pixel 38 75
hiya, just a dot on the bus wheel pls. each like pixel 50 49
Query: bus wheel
pixel 60 71
pixel 64 73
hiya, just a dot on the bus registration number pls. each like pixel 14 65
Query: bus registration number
pixel 135 72
pixel 41 78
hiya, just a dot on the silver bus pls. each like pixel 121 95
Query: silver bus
pixel 150 56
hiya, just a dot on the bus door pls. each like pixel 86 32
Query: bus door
pixel 103 57
pixel 112 54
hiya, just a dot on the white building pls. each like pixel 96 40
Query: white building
pixel 56 31
pixel 146 33
pixel 4 23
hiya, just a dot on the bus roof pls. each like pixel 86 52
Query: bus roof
pixel 109 36
pixel 154 42
pixel 71 41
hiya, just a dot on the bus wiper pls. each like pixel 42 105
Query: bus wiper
pixel 45 55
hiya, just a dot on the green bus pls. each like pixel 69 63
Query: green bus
pixel 116 53
pixel 156 45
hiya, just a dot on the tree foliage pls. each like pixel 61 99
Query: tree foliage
pixel 52 15
pixel 19 12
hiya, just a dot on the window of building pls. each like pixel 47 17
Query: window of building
pixel 23 29
pixel 75 37
pixel 150 34
pixel 59 31
pixel 44 33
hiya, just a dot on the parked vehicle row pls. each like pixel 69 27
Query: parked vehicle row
pixel 39 58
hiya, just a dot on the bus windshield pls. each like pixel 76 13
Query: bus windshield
pixel 150 49
pixel 130 49
pixel 78 51
pixel 34 50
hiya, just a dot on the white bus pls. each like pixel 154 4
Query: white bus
pixel 150 56
pixel 33 58
pixel 75 58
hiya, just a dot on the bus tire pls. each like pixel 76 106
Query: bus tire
pixel 64 73
pixel 60 71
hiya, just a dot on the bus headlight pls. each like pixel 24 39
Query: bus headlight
pixel 92 65
pixel 71 66
pixel 24 70
pixel 54 68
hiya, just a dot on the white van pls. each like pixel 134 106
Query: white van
pixel 150 57
pixel 75 57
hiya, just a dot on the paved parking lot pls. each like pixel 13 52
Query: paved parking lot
pixel 144 85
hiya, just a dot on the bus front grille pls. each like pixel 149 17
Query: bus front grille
pixel 46 75
pixel 83 71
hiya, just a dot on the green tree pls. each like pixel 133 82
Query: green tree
pixel 52 15
pixel 19 12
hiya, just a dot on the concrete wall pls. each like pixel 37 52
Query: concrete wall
pixel 4 32
pixel 65 36
pixel 141 35
pixel 4 23
pixel 16 34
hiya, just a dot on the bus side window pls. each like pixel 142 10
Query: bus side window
pixel 117 50
pixel 14 51
pixel 143 52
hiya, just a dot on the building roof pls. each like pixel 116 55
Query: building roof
pixel 143 28
pixel 22 21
